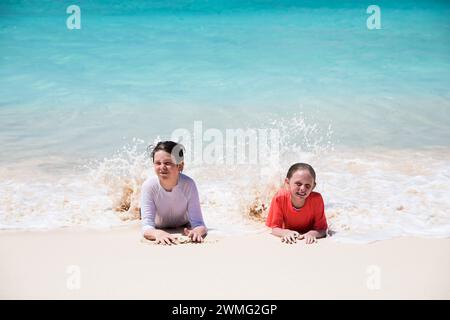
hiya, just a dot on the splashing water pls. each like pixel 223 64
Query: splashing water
pixel 123 175
pixel 369 194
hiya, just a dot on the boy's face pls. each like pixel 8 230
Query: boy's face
pixel 300 184
pixel 165 166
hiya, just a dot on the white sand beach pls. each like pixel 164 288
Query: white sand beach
pixel 360 92
pixel 116 264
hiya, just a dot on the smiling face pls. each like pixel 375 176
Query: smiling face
pixel 165 167
pixel 300 186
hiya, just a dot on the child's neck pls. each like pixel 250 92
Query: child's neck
pixel 168 185
pixel 298 205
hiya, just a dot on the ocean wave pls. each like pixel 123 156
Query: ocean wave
pixel 369 194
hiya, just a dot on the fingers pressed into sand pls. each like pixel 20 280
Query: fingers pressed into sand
pixel 187 232
pixel 199 238
pixel 292 239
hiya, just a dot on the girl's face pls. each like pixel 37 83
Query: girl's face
pixel 165 166
pixel 300 184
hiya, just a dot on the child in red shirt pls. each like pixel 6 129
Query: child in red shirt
pixel 297 212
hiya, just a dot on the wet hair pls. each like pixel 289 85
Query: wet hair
pixel 301 166
pixel 173 148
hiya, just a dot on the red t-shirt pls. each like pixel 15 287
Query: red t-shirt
pixel 309 217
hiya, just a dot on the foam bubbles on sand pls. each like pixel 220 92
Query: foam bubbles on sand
pixel 380 194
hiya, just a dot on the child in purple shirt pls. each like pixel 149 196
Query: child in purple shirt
pixel 170 199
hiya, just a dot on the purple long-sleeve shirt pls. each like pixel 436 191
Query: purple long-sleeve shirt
pixel 164 209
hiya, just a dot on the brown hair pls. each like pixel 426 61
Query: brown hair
pixel 174 148
pixel 301 166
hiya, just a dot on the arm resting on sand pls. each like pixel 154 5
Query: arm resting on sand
pixel 280 232
pixel 317 233
pixel 160 236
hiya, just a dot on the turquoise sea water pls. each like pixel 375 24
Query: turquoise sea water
pixel 141 69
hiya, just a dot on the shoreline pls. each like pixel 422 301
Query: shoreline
pixel 116 264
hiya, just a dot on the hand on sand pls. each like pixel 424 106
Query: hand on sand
pixel 309 239
pixel 291 237
pixel 165 238
pixel 195 235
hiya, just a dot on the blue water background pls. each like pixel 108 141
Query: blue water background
pixel 144 68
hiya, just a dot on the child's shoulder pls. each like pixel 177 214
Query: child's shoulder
pixel 150 185
pixel 186 179
pixel 315 196
pixel 282 193
pixel 186 183
pixel 150 182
